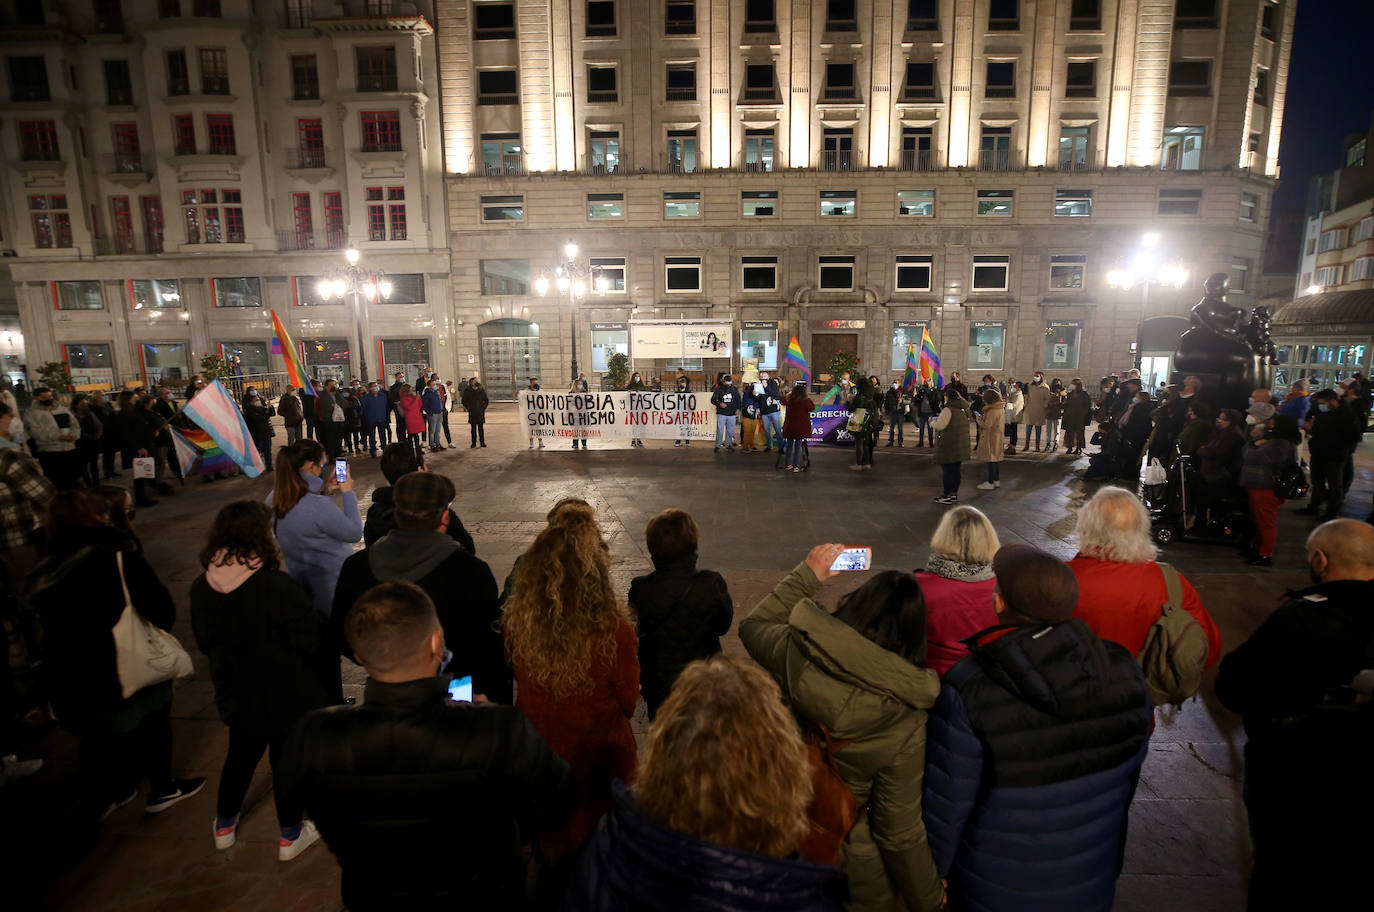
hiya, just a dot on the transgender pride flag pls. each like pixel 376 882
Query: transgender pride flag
pixel 213 409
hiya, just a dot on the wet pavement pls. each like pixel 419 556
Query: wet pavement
pixel 1188 847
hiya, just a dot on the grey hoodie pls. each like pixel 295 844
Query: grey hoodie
pixel 409 554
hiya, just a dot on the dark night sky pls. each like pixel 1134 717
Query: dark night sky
pixel 1330 90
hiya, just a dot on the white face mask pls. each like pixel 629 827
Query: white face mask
pixel 894 386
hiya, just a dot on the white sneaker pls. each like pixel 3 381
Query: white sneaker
pixel 288 849
pixel 225 836
pixel 986 486
pixel 997 484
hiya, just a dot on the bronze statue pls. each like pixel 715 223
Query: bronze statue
pixel 1221 347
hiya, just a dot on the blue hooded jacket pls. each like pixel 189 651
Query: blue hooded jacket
pixel 432 402
pixel 375 407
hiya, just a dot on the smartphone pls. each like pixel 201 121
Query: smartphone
pixel 460 689
pixel 340 470
pixel 853 559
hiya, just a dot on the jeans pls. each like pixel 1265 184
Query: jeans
pixel 1011 435
pixel 378 435
pixel 433 422
pixel 794 451
pixel 895 420
pixel 725 431
pixel 239 764
pixel 1052 431
pixel 1327 474
pixel 951 476
pixel 994 472
pixel 293 434
pixel 1038 428
pixel 863 448
pixel 479 433
pixel 448 438
pixel 923 426
pixel 772 429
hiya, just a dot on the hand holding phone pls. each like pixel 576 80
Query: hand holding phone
pixel 340 470
pixel 853 558
pixel 460 689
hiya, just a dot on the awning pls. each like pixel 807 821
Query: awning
pixel 1329 311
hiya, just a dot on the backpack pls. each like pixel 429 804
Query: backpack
pixel 858 420
pixel 833 810
pixel 1175 651
pixel 1290 481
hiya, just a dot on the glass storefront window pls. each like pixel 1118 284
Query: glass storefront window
pixel 237 292
pixel 1321 354
pixel 1061 345
pixel 154 293
pixel 760 343
pixel 1302 354
pixel 327 358
pixel 608 342
pixel 406 356
pixel 1285 352
pixel 78 296
pixel 91 365
pixel 252 355
pixel 985 346
pixel 164 361
pixel 904 334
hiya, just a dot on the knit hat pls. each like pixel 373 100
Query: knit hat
pixel 421 499
pixel 1035 584
pixel 1261 411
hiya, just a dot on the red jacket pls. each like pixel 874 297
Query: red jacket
pixel 410 410
pixel 955 610
pixel 1121 602
pixel 796 424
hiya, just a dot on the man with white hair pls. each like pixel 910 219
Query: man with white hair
pixel 1121 589
pixel 1307 786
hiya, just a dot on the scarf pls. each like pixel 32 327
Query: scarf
pixel 955 570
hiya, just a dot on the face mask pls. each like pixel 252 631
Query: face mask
pixel 1323 406
pixel 372 389
pixel 1250 419
pixel 894 386
pixel 45 403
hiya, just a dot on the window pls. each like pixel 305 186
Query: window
pixel 1180 202
pixel 331 201
pixel 376 68
pixel 913 272
pixel 605 205
pixel 1240 274
pixel 77 296
pixel 758 203
pixel 1081 79
pixel 922 15
pixel 985 345
pixel 680 18
pixel 164 361
pixel 995 202
pixel 839 82
pixel 682 205
pixel 609 340
pixel 119 86
pixel 302 219
pixel 1267 21
pixel 298 14
pixel 682 82
pixel 178 74
pixel 152 222
pixel 916 202
pixel 1327 276
pixel 214 71
pixel 1061 345
pixel 759 16
pixel 385 206
pixel 1190 77
pixel 1073 148
pixel 839 202
pixel 183 135
pixel 206 222
pixel 89 364
pixel 1067 272
pixel 52 225
pixel 837 149
pixel 990 272
pixel 760 82
pixel 236 292
pixel 28 78
pixel 497 87
pixel 920 81
pixel 1003 16
pixel 493 21
pixel 1362 269
pixel 309 143
pixel 758 339
pixel 1365 231
pixel 1332 240
pixel 605 145
pixel 1182 148
pixel 206 9
pixel 154 293
pixel 839 16
pixel 38 140
pixel 611 269
pixel 917 149
pixel 305 292
pixel 1085 15
pixel 1001 79
pixel 503 208
pixel 682 273
pixel 758 150
pixel 127 153
pixel 836 273
pixel 219 134
pixel 1249 207
pixel 1261 86
pixel 505 277
pixel 600 18
pixel 305 77
pixel 758 273
pixel 252 355
pixel 682 151
pixel 1195 14
pixel 501 153
pixel 122 224
pixel 381 131
pixel 406 288
pixel 1073 203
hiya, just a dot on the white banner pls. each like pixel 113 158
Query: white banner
pixel 618 415
pixel 655 340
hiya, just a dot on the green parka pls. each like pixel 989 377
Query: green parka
pixel 877 701
pixel 951 442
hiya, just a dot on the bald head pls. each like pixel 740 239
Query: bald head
pixel 1342 549
pixel 1114 526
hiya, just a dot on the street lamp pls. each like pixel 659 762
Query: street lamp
pixel 360 282
pixel 571 278
pixel 1146 268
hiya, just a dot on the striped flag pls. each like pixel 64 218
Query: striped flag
pixel 795 358
pixel 930 360
pixel 198 453
pixel 282 345
pixel 214 410
pixel 912 378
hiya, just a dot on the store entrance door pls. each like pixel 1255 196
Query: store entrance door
pixel 824 346
pixel 510 356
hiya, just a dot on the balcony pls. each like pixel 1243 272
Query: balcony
pixel 916 160
pixel 600 169
pixel 378 82
pixel 994 160
pixel 839 160
pixel 756 167
pixel 297 18
pixel 381 145
pixel 305 159
pixel 681 94
pixel 503 167
pixel 127 168
pixel 118 245
pixel 761 95
pixel 678 166
pixel 1079 162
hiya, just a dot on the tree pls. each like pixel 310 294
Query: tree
pixel 56 376
pixel 213 367
pixel 842 362
pixel 618 370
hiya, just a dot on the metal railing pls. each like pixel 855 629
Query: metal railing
pixel 681 94
pixel 757 167
pixel 126 163
pixel 507 167
pixel 994 160
pixel 306 158
pixel 916 160
pixel 1076 164
pixel 292 239
pixel 839 160
pixel 117 245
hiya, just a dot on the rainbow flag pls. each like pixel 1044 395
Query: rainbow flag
pixel 282 345
pixel 912 378
pixel 214 410
pixel 930 360
pixel 795 358
pixel 198 453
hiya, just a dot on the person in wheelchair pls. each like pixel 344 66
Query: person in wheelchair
pixel 1216 467
pixel 1123 440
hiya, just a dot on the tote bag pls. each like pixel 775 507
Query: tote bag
pixel 145 654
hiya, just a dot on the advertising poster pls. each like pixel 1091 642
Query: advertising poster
pixel 706 340
pixel 656 340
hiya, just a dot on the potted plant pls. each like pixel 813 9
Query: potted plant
pixel 618 371
pixel 56 376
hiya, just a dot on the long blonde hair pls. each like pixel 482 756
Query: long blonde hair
pixel 563 612
pixel 725 763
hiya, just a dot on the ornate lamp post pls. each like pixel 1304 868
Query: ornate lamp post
pixel 571 278
pixel 1146 268
pixel 360 282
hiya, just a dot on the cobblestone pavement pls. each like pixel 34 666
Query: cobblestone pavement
pixel 1188 848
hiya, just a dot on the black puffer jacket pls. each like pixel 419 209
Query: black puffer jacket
pixel 681 614
pixel 424 800
pixel 1334 433
pixel 634 865
pixel 381 519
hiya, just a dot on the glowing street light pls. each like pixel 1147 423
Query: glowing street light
pixel 360 282
pixel 1146 269
pixel 570 278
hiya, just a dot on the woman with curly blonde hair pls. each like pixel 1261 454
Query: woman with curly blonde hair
pixel 720 804
pixel 574 654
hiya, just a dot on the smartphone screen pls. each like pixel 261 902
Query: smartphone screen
pixel 340 471
pixel 853 559
pixel 460 689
